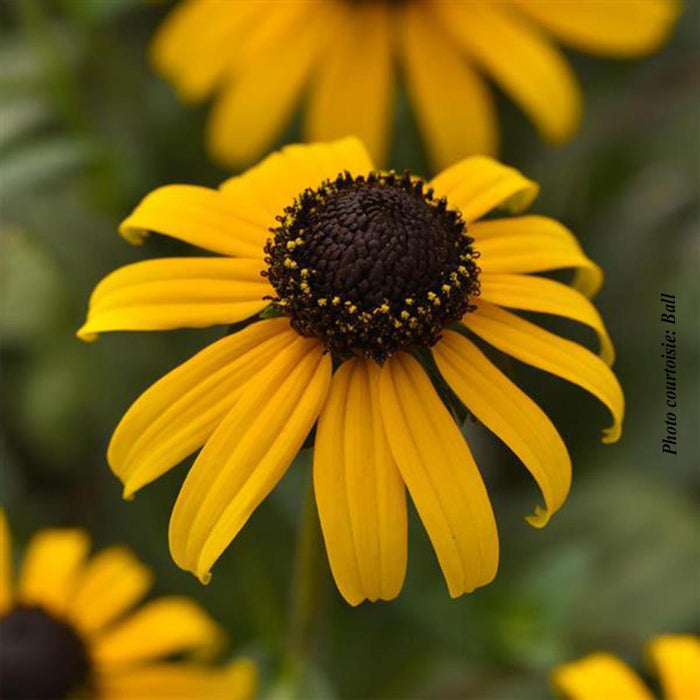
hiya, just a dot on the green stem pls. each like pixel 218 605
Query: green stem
pixel 306 588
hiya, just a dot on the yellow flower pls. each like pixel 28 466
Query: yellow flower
pixel 361 276
pixel 676 659
pixel 257 58
pixel 67 629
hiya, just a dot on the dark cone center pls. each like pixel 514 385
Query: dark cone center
pixel 372 265
pixel 40 656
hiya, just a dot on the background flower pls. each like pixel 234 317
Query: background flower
pixel 675 659
pixel 257 59
pixel 68 629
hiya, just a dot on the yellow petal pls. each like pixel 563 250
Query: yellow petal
pixel 599 676
pixel 547 351
pixel 199 216
pixel 159 629
pixel 511 415
pixel 251 112
pixel 521 59
pixel 676 658
pixel 479 184
pixel 549 297
pixel 6 578
pixel 175 416
pixel 274 26
pixel 533 244
pixel 617 28
pixel 452 104
pixel 285 174
pixel 359 491
pixel 352 92
pixel 156 295
pixel 112 583
pixel 181 681
pixel 440 474
pixel 192 47
pixel 202 45
pixel 248 454
pixel 51 569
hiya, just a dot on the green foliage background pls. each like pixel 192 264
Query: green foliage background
pixel 88 129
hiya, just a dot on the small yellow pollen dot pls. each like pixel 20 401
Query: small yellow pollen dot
pixel 322 301
pixel 304 273
pixel 288 262
pixel 431 295
pixel 405 315
pixel 409 301
pixel 291 245
pixel 446 288
pixel 384 308
pixel 335 301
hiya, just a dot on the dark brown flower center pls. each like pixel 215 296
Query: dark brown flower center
pixel 40 657
pixel 371 265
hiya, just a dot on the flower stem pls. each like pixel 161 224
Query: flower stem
pixel 304 599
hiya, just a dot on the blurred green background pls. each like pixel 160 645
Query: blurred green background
pixel 88 129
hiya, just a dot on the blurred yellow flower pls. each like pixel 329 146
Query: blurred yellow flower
pixel 258 58
pixel 676 659
pixel 370 270
pixel 67 629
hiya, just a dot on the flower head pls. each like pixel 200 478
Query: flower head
pixel 68 629
pixel 257 58
pixel 373 286
pixel 675 658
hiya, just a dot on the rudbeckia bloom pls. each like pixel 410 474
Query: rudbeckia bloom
pixel 257 58
pixel 675 658
pixel 67 629
pixel 358 275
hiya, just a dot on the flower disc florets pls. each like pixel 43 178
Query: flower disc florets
pixel 371 264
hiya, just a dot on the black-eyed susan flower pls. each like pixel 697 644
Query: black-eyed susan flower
pixel 359 275
pixel 257 58
pixel 68 629
pixel 601 676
